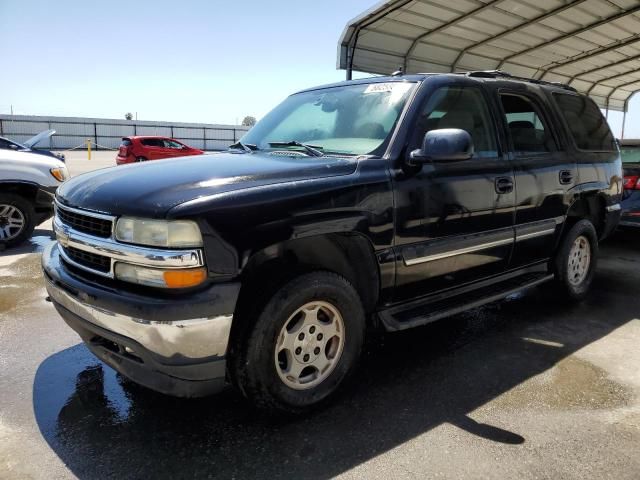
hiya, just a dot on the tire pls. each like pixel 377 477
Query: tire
pixel 141 159
pixel 573 273
pixel 15 210
pixel 307 371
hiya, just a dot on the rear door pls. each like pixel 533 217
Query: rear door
pixel 544 172
pixel 153 148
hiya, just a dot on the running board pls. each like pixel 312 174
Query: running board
pixel 401 317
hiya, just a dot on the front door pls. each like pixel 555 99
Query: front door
pixel 454 219
pixel 173 149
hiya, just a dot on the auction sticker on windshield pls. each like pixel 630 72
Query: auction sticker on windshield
pixel 383 87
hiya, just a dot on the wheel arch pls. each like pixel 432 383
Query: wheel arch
pixel 589 206
pixel 27 190
pixel 350 255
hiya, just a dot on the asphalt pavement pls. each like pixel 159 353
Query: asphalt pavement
pixel 530 387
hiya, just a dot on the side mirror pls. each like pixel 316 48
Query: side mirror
pixel 443 145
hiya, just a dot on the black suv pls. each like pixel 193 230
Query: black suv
pixel 379 203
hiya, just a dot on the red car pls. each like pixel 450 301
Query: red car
pixel 141 149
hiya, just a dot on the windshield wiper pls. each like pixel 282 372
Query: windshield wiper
pixel 311 149
pixel 247 147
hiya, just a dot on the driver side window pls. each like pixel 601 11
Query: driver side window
pixel 458 107
pixel 172 144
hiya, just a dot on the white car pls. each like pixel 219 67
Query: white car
pixel 28 145
pixel 28 182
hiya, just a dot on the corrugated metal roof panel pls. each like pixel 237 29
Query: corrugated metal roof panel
pixel 565 40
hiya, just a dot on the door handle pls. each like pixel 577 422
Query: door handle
pixel 566 177
pixel 504 185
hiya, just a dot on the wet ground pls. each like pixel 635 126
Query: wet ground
pixel 531 387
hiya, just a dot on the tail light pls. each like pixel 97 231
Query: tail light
pixel 632 182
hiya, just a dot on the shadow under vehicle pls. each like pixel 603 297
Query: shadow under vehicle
pixel 410 383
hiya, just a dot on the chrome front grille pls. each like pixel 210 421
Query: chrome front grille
pixel 89 260
pixel 101 226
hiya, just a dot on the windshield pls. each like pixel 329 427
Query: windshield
pixel 630 154
pixel 351 120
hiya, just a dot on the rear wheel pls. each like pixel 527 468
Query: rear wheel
pixel 141 159
pixel 305 343
pixel 17 219
pixel 576 259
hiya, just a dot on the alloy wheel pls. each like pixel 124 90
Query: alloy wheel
pixel 309 345
pixel 12 222
pixel 579 260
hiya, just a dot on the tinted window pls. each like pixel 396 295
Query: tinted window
pixel 585 121
pixel 458 107
pixel 152 142
pixel 125 142
pixel 526 126
pixel 4 143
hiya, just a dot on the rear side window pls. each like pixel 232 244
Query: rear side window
pixel 152 142
pixel 586 123
pixel 526 126
pixel 125 142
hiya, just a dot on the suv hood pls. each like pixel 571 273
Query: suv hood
pixel 152 188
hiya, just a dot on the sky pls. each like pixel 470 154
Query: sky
pixel 185 61
pixel 200 61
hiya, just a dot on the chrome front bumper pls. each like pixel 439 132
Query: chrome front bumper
pixel 194 338
pixel 184 337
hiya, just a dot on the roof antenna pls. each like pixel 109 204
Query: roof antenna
pixel 397 73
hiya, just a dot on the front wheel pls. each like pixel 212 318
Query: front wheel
pixel 575 262
pixel 17 219
pixel 304 344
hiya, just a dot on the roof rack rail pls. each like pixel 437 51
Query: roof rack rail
pixel 503 74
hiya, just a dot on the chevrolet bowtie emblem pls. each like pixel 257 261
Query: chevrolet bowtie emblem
pixel 62 234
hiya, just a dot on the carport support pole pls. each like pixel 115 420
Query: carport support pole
pixel 624 119
pixel 350 57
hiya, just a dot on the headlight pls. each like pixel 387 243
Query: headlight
pixel 60 173
pixel 155 277
pixel 159 233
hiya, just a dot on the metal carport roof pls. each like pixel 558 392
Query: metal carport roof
pixel 593 45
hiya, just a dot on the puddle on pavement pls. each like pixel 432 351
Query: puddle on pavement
pixel 571 384
pixel 20 282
